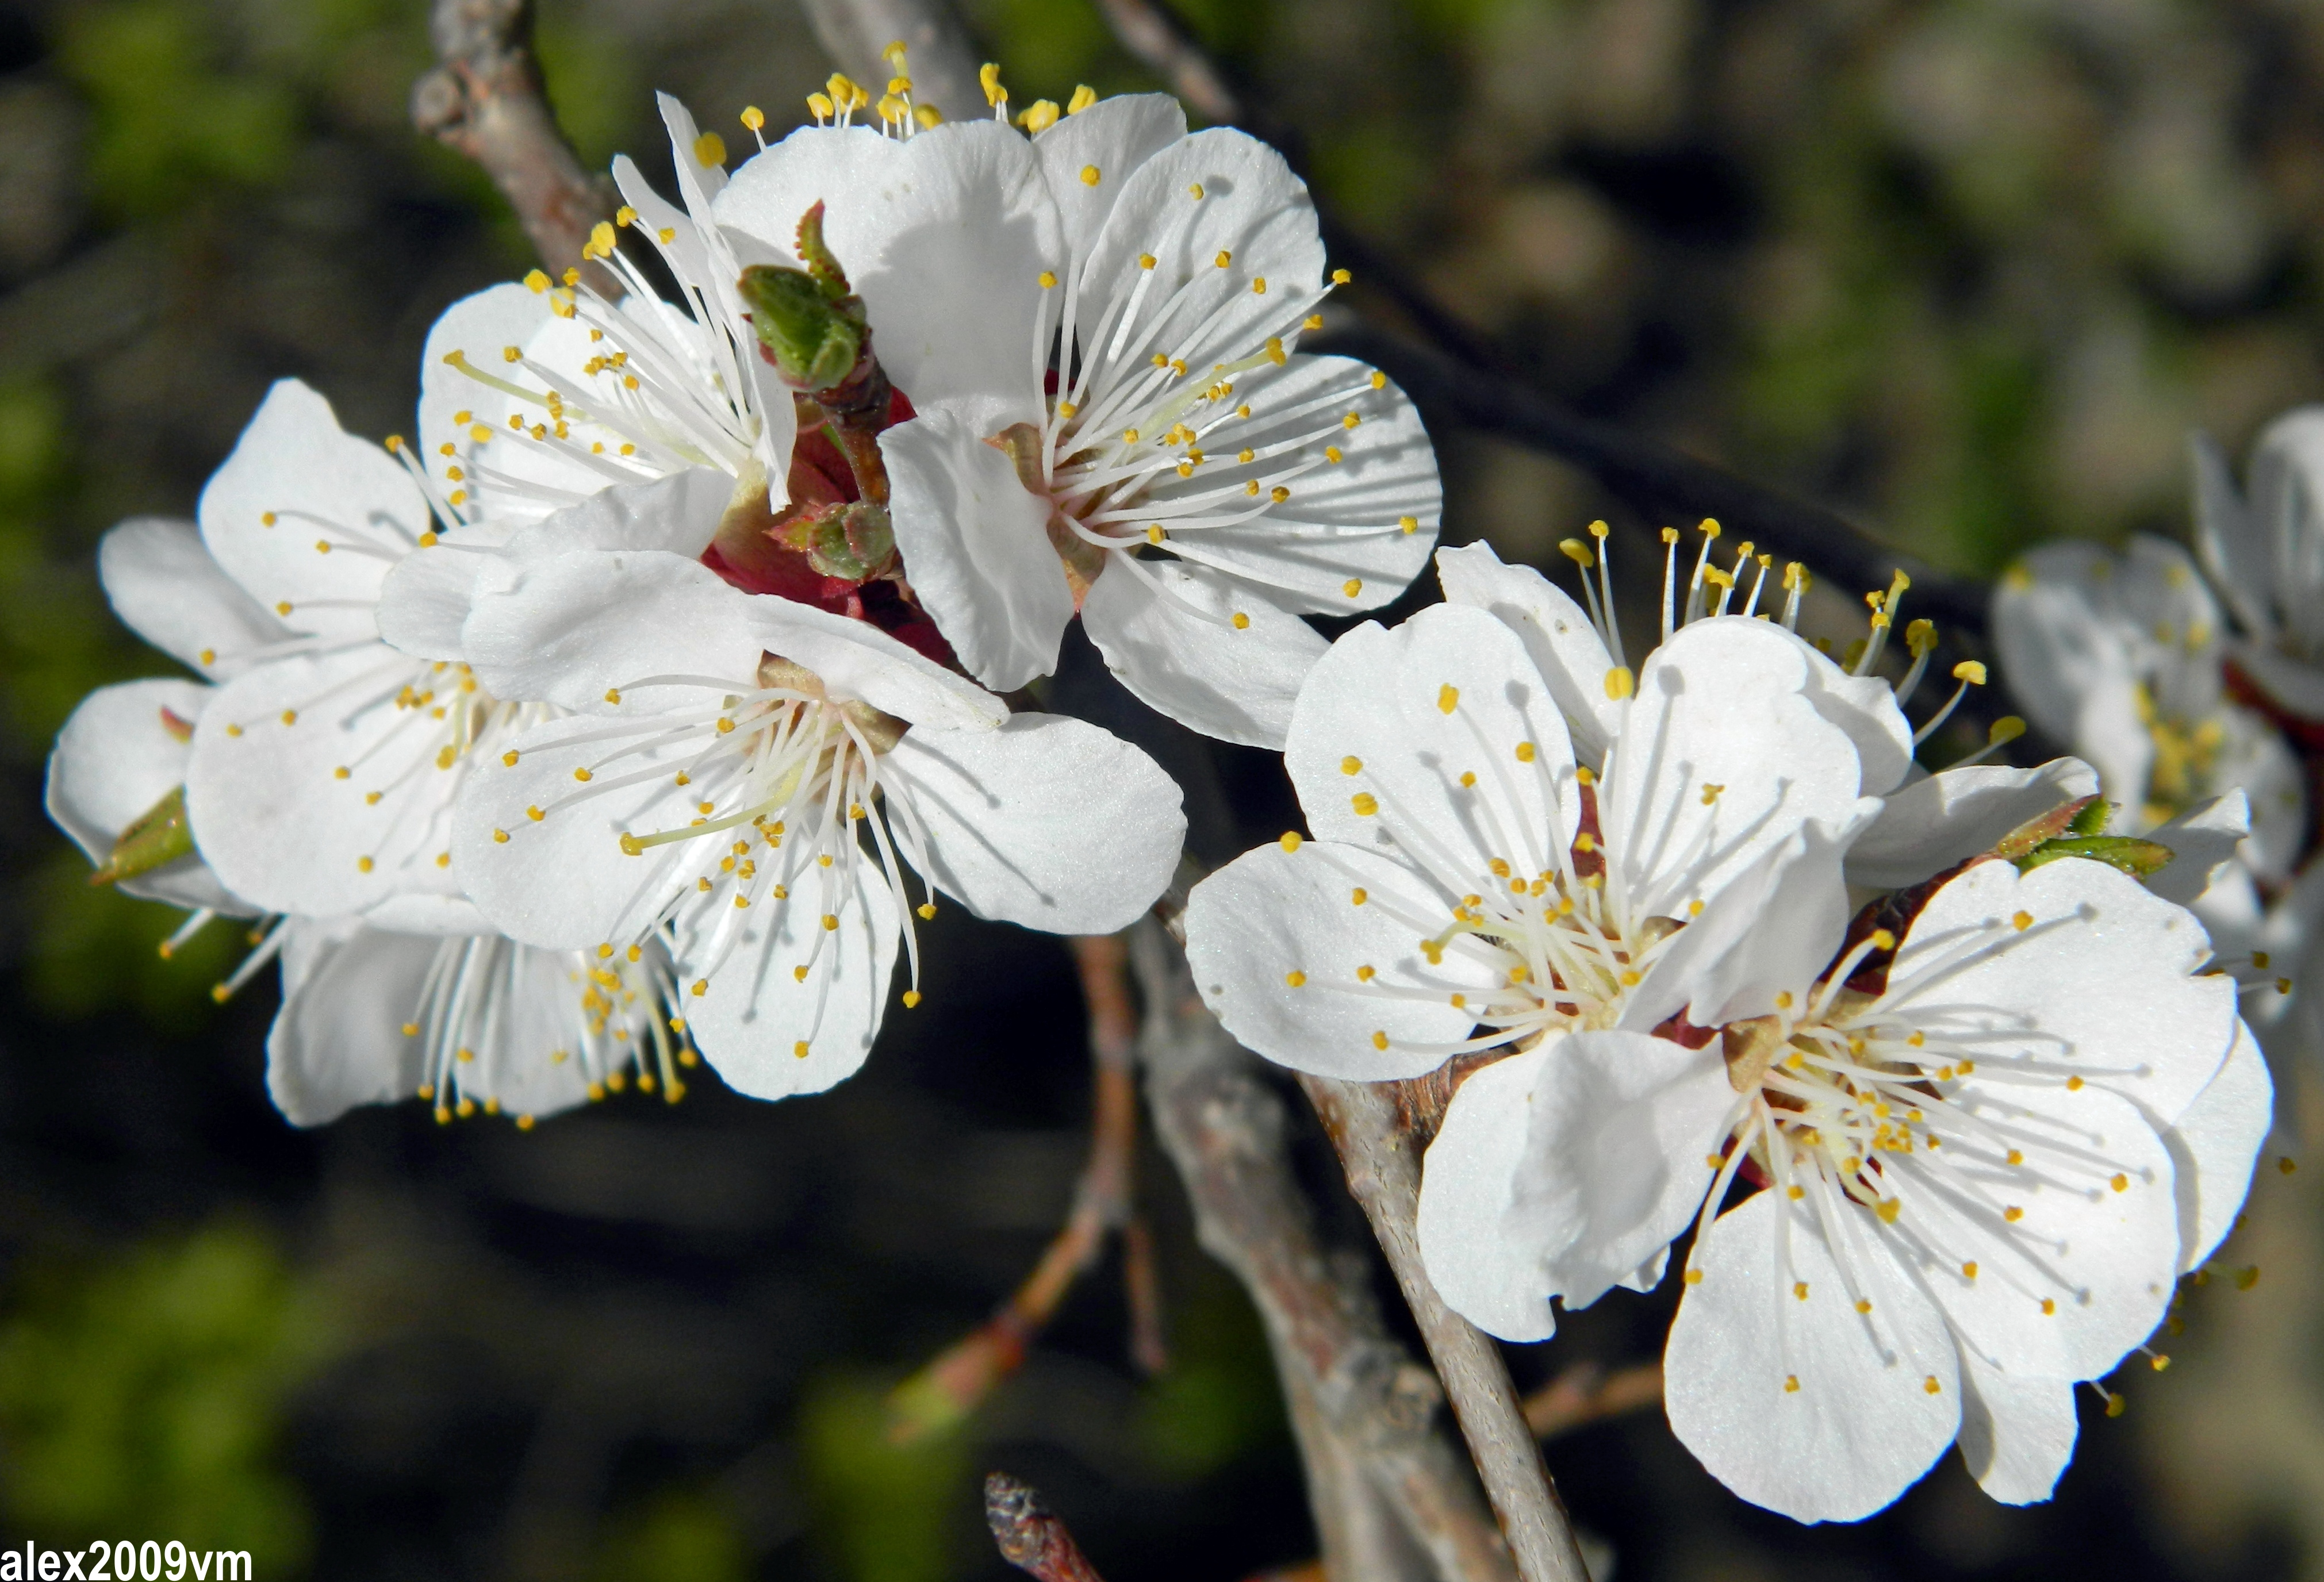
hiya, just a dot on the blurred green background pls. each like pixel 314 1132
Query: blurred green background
pixel 1968 270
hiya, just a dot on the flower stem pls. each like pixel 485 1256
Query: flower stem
pixel 1381 1157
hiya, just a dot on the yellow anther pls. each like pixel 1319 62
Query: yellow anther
pixel 363 865
pixel 1038 117
pixel 1379 1040
pixel 1620 683
pixel 988 78
pixel 821 108
pixel 1448 698
pixel 1296 978
pixel 1084 98
pixel 1091 176
pixel 1048 280
pixel 1290 840
pixel 1970 671
pixel 2008 728
pixel 1352 586
pixel 753 118
pixel 1242 621
pixel 1575 550
pixel 1365 803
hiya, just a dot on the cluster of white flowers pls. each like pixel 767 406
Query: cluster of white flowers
pixel 2204 728
pixel 1707 923
pixel 635 713
pixel 639 711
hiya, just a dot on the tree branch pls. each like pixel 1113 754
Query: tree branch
pixel 1365 1412
pixel 1585 1394
pixel 1032 1537
pixel 943 60
pixel 487 101
pixel 1162 44
pixel 1381 1158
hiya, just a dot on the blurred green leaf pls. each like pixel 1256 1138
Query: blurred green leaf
pixel 680 1536
pixel 168 117
pixel 145 1396
pixel 887 1513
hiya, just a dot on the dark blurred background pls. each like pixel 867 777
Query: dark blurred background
pixel 1968 270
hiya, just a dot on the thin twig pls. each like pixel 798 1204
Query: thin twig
pixel 968 1370
pixel 1371 1436
pixel 1381 1159
pixel 1585 1394
pixel 487 101
pixel 1161 43
pixel 1662 484
pixel 942 60
pixel 1031 1537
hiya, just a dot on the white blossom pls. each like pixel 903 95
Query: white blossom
pixel 1482 874
pixel 369 1015
pixel 2265 548
pixel 1987 1152
pixel 1096 328
pixel 730 755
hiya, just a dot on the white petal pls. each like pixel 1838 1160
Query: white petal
pixel 1170 633
pixel 1865 708
pixel 700 182
pixel 943 237
pixel 1725 751
pixel 1252 209
pixel 161 582
pixel 856 660
pixel 531 1061
pixel 2174 624
pixel 569 628
pixel 1373 728
pixel 1467 1183
pixel 1342 524
pixel 562 881
pixel 2016 1432
pixel 114 761
pixel 2064 651
pixel 2255 757
pixel 1271 916
pixel 277 821
pixel 428 596
pixel 480 325
pixel 1045 822
pixel 2106 1260
pixel 976 548
pixel 752 1019
pixel 443 915
pixel 2214 1146
pixel 508 477
pixel 2287 491
pixel 1556 631
pixel 2234 545
pixel 1113 138
pixel 1727 965
pixel 2202 840
pixel 318 484
pixel 1622 1144
pixel 2297 687
pixel 1863 1424
pixel 338 1040
pixel 2098 982
pixel 1955 814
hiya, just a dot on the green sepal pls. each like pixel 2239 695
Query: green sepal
pixel 855 541
pixel 2127 853
pixel 2091 817
pixel 812 338
pixel 817 257
pixel 2066 820
pixel 154 839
